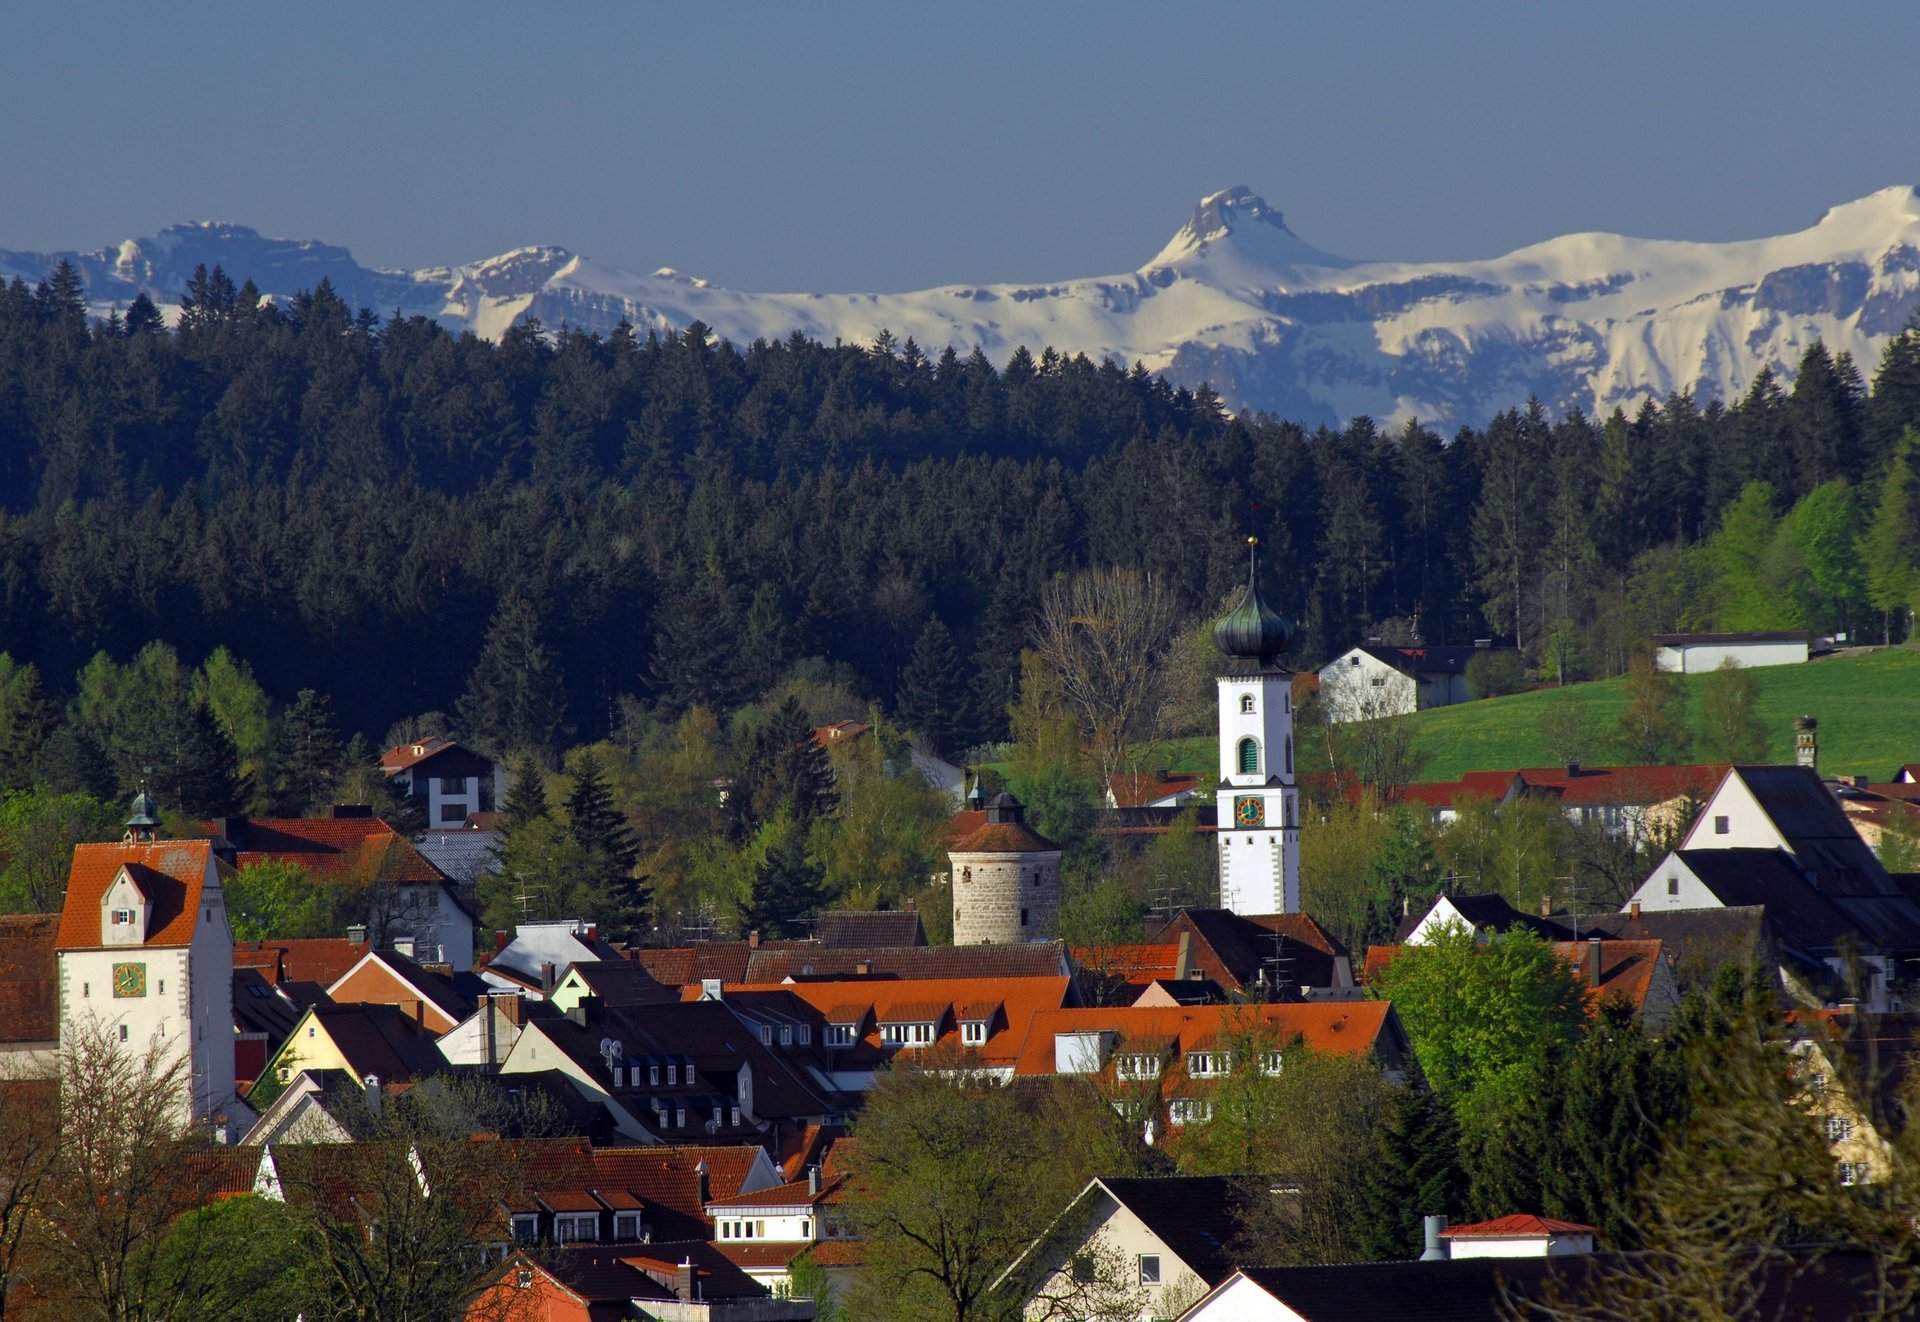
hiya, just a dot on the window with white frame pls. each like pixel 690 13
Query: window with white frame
pixel 673 1075
pixel 840 1035
pixel 1246 705
pixel 653 1075
pixel 689 1074
pixel 526 1227
pixel 766 1035
pixel 973 1032
pixel 1189 1110
pixel 1272 1061
pixel 1839 1129
pixel 786 1035
pixel 806 1035
pixel 1853 1172
pixel 1149 1269
pixel 906 1034
pixel 121 916
pixel 733 1116
pixel 1137 1065
pixel 1206 1064
pixel 626 1225
pixel 577 1227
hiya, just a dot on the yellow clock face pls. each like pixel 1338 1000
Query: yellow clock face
pixel 1250 811
pixel 129 979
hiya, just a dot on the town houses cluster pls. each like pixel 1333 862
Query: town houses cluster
pixel 701 1101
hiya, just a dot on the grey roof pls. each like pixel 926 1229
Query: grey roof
pixel 1800 916
pixel 463 855
pixel 1817 829
pixel 1423 660
pixel 624 982
pixel 1698 942
pixel 849 930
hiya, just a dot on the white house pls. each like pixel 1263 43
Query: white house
pixel 1698 653
pixel 449 782
pixel 1519 1236
pixel 1162 1238
pixel 146 955
pixel 1375 679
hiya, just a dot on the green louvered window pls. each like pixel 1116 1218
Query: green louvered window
pixel 1249 757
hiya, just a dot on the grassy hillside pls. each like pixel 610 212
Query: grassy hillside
pixel 1868 706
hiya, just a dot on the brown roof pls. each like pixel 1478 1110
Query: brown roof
pixel 380 1039
pixel 333 847
pixel 323 959
pixel 1343 1027
pixel 1021 959
pixel 401 756
pixel 29 1000
pixel 169 872
pixel 1626 967
pixel 679 966
pixel 795 1193
pixel 847 929
pixel 1133 790
pixel 964 824
pixel 1005 838
pixel 923 999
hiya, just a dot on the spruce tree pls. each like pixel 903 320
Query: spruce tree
pixel 607 848
pixel 26 719
pixel 310 753
pixel 790 771
pixel 1418 1175
pixel 515 697
pixel 1891 547
pixel 788 888
pixel 935 697
pixel 526 795
pixel 697 657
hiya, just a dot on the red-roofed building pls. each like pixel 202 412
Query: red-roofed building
pixel 146 957
pixel 1635 971
pixel 1162 1063
pixel 1626 801
pixel 1159 789
pixel 688 1281
pixel 415 907
pixel 448 781
pixel 1519 1236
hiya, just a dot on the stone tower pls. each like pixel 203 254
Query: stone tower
pixel 1257 801
pixel 1006 880
pixel 1806 742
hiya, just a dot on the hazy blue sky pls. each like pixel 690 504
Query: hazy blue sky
pixel 891 146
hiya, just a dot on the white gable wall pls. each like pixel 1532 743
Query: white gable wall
pixel 1121 1239
pixel 1238 1299
pixel 1746 823
pixel 1672 885
pixel 1358 686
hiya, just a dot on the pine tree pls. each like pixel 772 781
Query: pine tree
pixel 526 795
pixel 934 699
pixel 607 847
pixel 515 697
pixel 309 758
pixel 26 719
pixel 788 889
pixel 697 648
pixel 790 771
pixel 1418 1176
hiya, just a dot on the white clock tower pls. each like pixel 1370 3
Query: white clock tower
pixel 1258 802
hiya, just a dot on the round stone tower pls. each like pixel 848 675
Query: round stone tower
pixel 1006 880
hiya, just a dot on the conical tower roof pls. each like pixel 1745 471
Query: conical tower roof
pixel 1253 630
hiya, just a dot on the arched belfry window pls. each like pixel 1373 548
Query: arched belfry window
pixel 1249 757
pixel 1246 705
pixel 1289 755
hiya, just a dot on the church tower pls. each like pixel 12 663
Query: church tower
pixel 1257 801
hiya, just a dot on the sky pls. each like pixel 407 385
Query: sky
pixel 885 147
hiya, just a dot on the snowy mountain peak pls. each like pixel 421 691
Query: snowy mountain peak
pixel 1887 208
pixel 1240 222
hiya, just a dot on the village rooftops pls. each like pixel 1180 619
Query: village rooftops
pixel 1630 970
pixel 323 960
pixel 347 847
pixel 169 873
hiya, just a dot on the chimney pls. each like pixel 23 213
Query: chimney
pixel 1546 906
pixel 1183 962
pixel 1573 769
pixel 372 1085
pixel 700 1173
pixel 1593 961
pixel 684 1275
pixel 1436 1250
pixel 499 942
pixel 813 1181
pixel 546 977
pixel 863 967
pixel 712 989
pixel 357 933
pixel 1806 744
pixel 585 1011
pixel 1633 910
pixel 753 939
pixel 419 1012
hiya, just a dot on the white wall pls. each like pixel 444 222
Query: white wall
pixel 1747 823
pixel 1672 885
pixel 1699 658
pixel 1357 686
pixel 1527 1246
pixel 1259 866
pixel 1238 1299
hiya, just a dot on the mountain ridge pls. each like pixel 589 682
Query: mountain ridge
pixel 1236 298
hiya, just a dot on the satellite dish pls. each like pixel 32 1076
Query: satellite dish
pixel 618 1050
pixel 606 1046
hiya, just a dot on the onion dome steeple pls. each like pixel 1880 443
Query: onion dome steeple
pixel 1253 630
pixel 144 818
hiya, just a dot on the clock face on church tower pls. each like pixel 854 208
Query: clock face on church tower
pixel 129 979
pixel 1250 811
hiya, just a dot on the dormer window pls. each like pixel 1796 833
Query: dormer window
pixel 122 916
pixel 973 1032
pixel 906 1034
pixel 1137 1065
pixel 840 1035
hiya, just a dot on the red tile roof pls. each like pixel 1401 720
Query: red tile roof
pixel 1130 963
pixel 356 848
pixel 1005 838
pixel 1511 1227
pixel 1134 790
pixel 919 1000
pixel 324 959
pixel 839 732
pixel 795 1193
pixel 29 1002
pixel 401 756
pixel 169 872
pixel 965 824
pixel 1632 786
pixel 1345 1027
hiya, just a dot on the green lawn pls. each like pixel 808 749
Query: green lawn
pixel 1868 706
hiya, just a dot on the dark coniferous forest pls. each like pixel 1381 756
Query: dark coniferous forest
pixel 402 519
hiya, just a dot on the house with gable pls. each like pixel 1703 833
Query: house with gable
pixel 661 1281
pixel 145 956
pixel 1165 1237
pixel 378 1047
pixel 1776 836
pixel 1261 955
pixel 1627 802
pixel 532 963
pixel 1379 679
pixel 449 781
pixel 412 906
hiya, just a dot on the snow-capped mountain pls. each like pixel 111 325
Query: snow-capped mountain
pixel 1235 298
